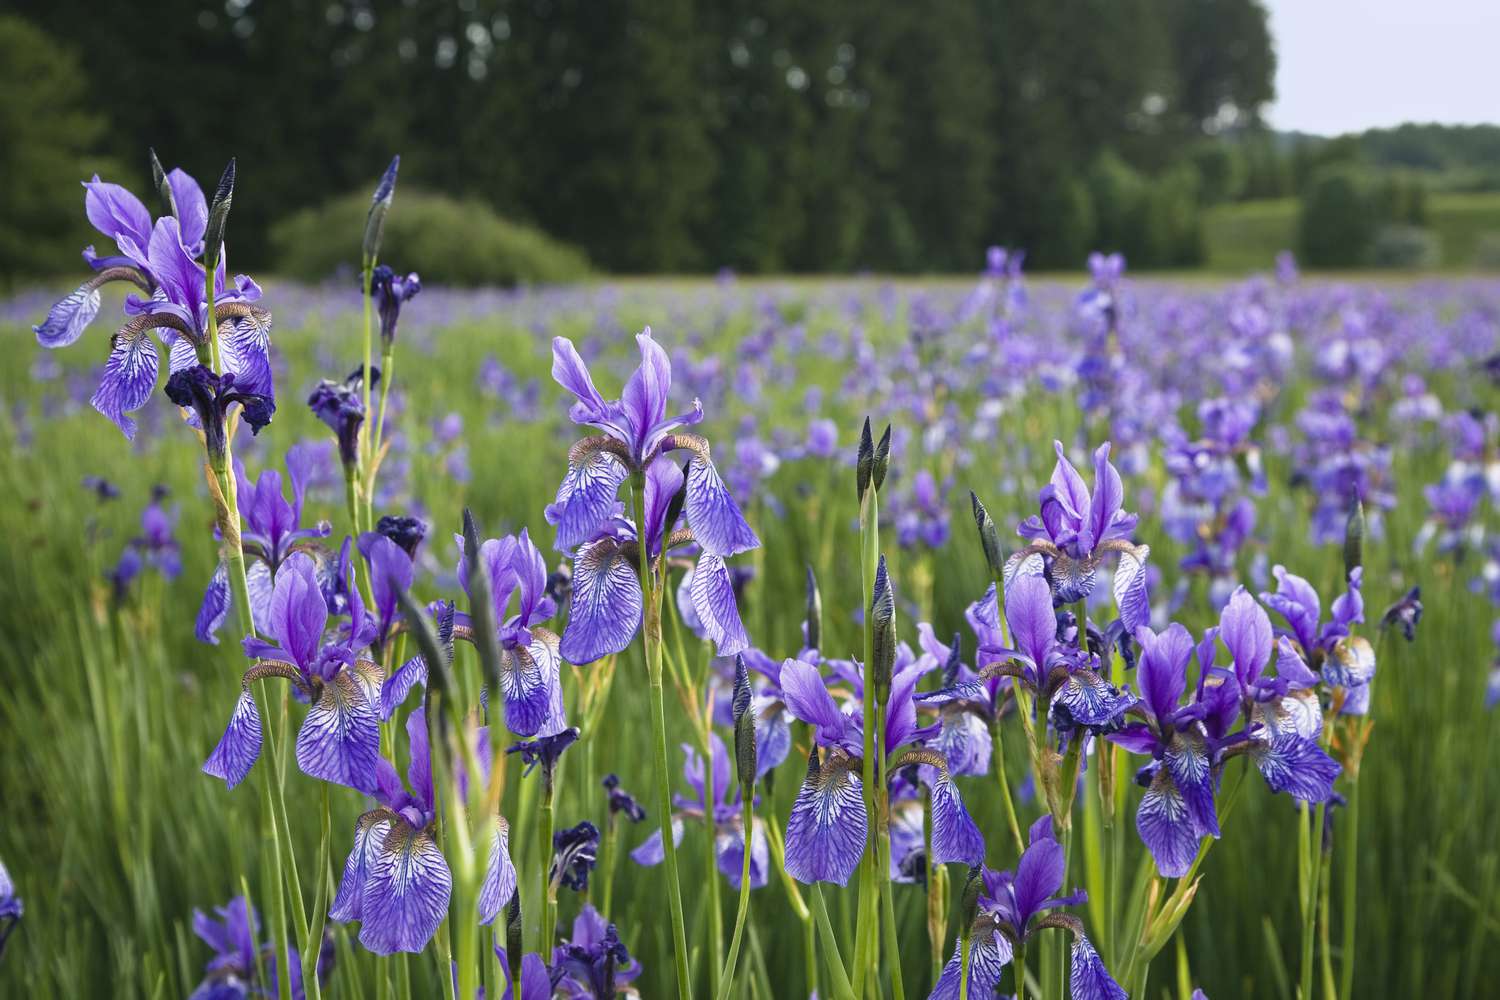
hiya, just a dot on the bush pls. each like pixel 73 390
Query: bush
pixel 448 241
pixel 1405 247
pixel 1339 217
pixel 1487 252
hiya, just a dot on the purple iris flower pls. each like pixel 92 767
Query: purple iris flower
pixel 530 666
pixel 340 736
pixel 592 962
pixel 1178 808
pixel 162 261
pixel 827 826
pixel 605 609
pixel 272 531
pixel 390 574
pixel 1066 678
pixel 1283 711
pixel 729 832
pixel 11 907
pixel 208 397
pixel 1015 905
pixel 964 736
pixel 638 435
pixel 536 981
pixel 396 881
pixel 1344 661
pixel 233 972
pixel 390 292
pixel 621 801
pixel 1073 532
pixel 341 407
pixel 574 852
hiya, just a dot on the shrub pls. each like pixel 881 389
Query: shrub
pixel 1405 247
pixel 1487 252
pixel 448 241
pixel 1339 218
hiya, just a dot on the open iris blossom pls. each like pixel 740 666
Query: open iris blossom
pixel 1283 713
pixel 1015 907
pixel 340 736
pixel 234 971
pixel 637 440
pixel 729 830
pixel 272 531
pixel 1344 661
pixel 828 825
pixel 396 881
pixel 1075 530
pixel 163 260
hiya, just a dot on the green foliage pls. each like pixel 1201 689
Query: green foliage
pixel 1338 219
pixel 445 240
pixel 1223 170
pixel 1487 252
pixel 1405 247
pixel 48 133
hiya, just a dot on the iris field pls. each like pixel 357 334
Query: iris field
pixel 1310 439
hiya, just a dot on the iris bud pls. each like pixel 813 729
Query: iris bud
pixel 814 637
pixel 1354 539
pixel 379 206
pixel 218 217
pixel 744 728
pixel 883 624
pixel 863 468
pixel 989 537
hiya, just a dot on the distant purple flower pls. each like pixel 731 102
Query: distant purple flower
pixel 101 487
pixel 574 852
pixel 729 833
pixel 390 292
pixel 544 750
pixel 1344 661
pixel 340 736
pixel 1405 613
pixel 11 907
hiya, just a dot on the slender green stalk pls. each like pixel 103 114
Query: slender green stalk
pixel 1325 948
pixel 883 860
pixel 726 981
pixel 1018 965
pixel 714 925
pixel 548 899
pixel 936 931
pixel 366 277
pixel 607 865
pixel 841 988
pixel 997 755
pixel 965 943
pixel 651 641
pixel 1310 896
pixel 1350 889
pixel 387 362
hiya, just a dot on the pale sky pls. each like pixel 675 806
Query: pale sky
pixel 1348 65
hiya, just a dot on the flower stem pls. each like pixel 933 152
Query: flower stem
pixel 1350 890
pixel 726 981
pixel 546 902
pixel 965 943
pixel 997 754
pixel 883 859
pixel 1018 965
pixel 714 925
pixel 841 988
pixel 1310 832
pixel 651 642
pixel 607 868
pixel 365 279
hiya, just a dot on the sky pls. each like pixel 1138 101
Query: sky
pixel 1348 65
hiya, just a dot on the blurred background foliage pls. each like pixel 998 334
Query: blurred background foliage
pixel 682 136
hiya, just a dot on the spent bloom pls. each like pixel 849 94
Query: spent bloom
pixel 391 291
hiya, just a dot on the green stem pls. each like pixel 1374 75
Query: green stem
pixel 997 754
pixel 607 867
pixel 1325 962
pixel 651 641
pixel 936 931
pixel 387 362
pixel 963 967
pixel 726 981
pixel 366 277
pixel 715 922
pixel 547 901
pixel 1350 890
pixel 883 862
pixel 1310 897
pixel 1018 963
pixel 841 988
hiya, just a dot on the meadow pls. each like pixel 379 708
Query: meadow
pixel 1286 396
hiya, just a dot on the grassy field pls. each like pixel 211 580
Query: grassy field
pixel 109 706
pixel 1248 235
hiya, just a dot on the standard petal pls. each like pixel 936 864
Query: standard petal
pixel 120 215
pixel 129 377
pixel 369 833
pixel 499 874
pixel 67 319
pixel 807 699
pixel 605 611
pixel 1163 667
pixel 1108 497
pixel 1166 827
pixel 713 515
pixel 773 736
pixel 965 741
pixel 1028 610
pixel 825 832
pixel 651 850
pixel 340 737
pixel 192 207
pixel 1246 630
pixel 239 746
pixel 407 889
pixel 712 591
pixel 298 611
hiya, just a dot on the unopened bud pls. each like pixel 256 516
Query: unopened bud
pixel 744 728
pixel 883 626
pixel 159 178
pixel 218 218
pixel 882 458
pixel 1354 539
pixel 989 537
pixel 814 636
pixel 864 467
pixel 379 206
